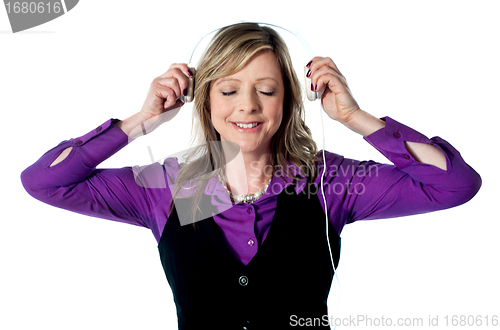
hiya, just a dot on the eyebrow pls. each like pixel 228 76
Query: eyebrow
pixel 233 79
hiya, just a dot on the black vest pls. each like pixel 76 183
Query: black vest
pixel 288 279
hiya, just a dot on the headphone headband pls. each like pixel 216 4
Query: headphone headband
pixel 294 32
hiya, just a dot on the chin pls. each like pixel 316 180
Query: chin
pixel 248 147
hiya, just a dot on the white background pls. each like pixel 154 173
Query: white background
pixel 432 65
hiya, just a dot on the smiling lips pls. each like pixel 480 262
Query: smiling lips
pixel 252 125
pixel 248 127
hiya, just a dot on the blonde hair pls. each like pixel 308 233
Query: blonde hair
pixel 228 52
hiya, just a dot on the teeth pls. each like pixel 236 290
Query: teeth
pixel 252 125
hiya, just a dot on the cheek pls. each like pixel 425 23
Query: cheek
pixel 214 108
pixel 218 113
pixel 278 113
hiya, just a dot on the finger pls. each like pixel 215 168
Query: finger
pixel 179 76
pixel 183 67
pixel 332 82
pixel 177 104
pixel 172 83
pixel 165 95
pixel 319 62
pixel 327 70
pixel 319 77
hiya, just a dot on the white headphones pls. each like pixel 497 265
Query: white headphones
pixel 311 95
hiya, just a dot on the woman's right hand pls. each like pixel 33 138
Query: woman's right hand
pixel 165 91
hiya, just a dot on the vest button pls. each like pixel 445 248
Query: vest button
pixel 243 280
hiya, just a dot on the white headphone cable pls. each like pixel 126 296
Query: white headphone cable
pixel 326 214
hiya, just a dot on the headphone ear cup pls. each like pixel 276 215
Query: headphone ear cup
pixel 190 90
pixel 311 96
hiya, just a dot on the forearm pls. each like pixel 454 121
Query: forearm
pixel 410 186
pixel 141 123
pixel 365 124
pixel 426 154
pixel 135 125
pixel 78 158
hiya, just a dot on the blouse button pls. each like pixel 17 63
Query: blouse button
pixel 79 142
pixel 406 157
pixel 251 242
pixel 249 210
pixel 243 280
pixel 397 135
pixel 98 129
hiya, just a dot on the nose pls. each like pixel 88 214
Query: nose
pixel 249 102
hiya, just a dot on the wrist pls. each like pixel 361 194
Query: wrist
pixel 134 126
pixel 145 115
pixel 363 123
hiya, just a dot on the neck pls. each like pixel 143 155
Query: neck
pixel 248 173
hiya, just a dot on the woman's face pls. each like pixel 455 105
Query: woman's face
pixel 247 107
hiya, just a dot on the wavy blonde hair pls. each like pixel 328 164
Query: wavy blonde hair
pixel 228 52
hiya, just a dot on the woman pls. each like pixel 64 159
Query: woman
pixel 241 231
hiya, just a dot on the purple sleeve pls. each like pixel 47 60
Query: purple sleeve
pixel 76 185
pixel 369 190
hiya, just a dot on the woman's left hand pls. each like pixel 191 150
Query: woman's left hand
pixel 331 85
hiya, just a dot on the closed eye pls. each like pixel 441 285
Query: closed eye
pixel 233 92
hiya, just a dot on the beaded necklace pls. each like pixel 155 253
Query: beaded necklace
pixel 247 198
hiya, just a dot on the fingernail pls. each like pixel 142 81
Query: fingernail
pixel 309 63
pixel 190 73
pixel 312 87
pixel 308 73
pixel 185 92
pixel 316 87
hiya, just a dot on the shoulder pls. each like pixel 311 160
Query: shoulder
pixel 331 161
pixel 330 158
pixel 337 165
pixel 171 166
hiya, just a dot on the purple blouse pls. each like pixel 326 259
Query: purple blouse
pixel 353 190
